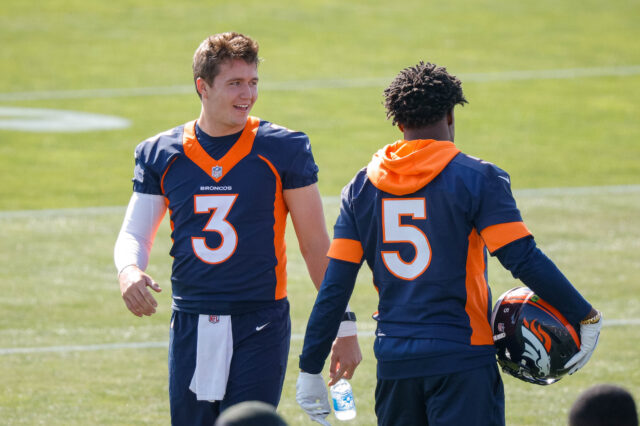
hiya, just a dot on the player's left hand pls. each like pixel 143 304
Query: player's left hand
pixel 312 397
pixel 589 334
pixel 345 357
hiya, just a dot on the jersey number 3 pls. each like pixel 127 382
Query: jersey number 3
pixel 394 231
pixel 221 205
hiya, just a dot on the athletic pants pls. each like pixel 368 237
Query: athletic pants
pixel 471 397
pixel 257 370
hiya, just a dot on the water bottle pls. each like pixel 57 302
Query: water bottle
pixel 344 405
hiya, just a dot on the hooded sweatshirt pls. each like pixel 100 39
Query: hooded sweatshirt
pixel 423 215
pixel 406 166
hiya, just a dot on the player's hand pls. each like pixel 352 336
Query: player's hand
pixel 312 397
pixel 589 334
pixel 133 286
pixel 345 357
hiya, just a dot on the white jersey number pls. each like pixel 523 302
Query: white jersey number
pixel 395 232
pixel 221 205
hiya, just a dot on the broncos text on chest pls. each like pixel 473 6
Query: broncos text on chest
pixel 216 188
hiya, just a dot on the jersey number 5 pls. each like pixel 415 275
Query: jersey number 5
pixel 221 205
pixel 394 231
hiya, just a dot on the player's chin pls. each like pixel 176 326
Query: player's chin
pixel 240 117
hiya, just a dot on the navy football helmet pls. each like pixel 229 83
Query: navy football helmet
pixel 533 340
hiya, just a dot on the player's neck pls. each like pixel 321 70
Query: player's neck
pixel 432 132
pixel 440 131
pixel 214 128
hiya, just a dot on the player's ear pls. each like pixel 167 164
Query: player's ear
pixel 201 85
pixel 401 127
pixel 450 119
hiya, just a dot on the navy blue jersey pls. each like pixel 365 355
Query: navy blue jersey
pixel 228 215
pixel 422 215
pixel 426 247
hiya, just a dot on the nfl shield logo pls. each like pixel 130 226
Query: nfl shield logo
pixel 213 319
pixel 216 172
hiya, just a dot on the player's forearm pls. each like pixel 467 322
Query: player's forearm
pixel 527 263
pixel 129 251
pixel 327 314
pixel 314 245
pixel 142 219
pixel 316 260
pixel 307 216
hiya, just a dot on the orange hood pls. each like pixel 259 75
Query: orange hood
pixel 403 167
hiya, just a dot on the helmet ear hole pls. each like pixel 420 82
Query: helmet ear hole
pixel 533 340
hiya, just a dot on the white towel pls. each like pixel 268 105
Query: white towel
pixel 213 357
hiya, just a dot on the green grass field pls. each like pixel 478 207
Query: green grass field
pixel 552 90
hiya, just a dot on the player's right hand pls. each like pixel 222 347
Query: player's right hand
pixel 345 357
pixel 313 398
pixel 133 286
pixel 589 334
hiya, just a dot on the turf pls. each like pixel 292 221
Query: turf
pixel 325 66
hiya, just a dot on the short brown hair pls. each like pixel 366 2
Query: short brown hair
pixel 421 95
pixel 217 49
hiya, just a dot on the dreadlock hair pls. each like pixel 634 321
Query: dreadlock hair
pixel 421 95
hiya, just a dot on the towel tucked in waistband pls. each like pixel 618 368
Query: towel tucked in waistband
pixel 213 357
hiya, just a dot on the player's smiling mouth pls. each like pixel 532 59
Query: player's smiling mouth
pixel 244 107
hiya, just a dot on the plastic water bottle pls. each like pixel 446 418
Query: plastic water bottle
pixel 344 405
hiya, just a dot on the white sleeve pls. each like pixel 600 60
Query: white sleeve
pixel 141 221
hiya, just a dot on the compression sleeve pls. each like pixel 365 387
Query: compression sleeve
pixel 327 312
pixel 529 264
pixel 141 221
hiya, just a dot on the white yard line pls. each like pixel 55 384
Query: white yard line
pixel 165 344
pixel 82 348
pixel 337 83
pixel 331 200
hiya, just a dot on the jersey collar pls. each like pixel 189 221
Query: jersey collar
pixel 217 169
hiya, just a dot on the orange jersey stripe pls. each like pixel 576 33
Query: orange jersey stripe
pixel 165 175
pixel 238 151
pixel 500 235
pixel 477 305
pixel 280 212
pixel 347 250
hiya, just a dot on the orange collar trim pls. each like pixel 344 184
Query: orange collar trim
pixel 217 169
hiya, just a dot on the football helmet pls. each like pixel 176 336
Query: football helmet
pixel 532 339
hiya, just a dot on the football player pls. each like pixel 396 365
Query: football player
pixel 422 215
pixel 229 181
